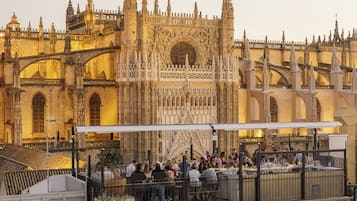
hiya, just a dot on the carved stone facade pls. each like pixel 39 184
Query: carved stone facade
pixel 165 68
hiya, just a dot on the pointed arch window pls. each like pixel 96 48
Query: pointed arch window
pixel 94 104
pixel 273 110
pixel 38 113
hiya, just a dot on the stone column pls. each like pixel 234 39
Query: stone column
pixel 17 117
pixel 235 115
pixel 348 117
pixel 221 104
pixel 140 135
pixel 126 139
pixel 80 92
pixel 153 139
pixel 229 115
pixel 267 118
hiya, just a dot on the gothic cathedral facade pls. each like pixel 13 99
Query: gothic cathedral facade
pixel 141 67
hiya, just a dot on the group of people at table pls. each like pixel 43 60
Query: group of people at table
pixel 201 174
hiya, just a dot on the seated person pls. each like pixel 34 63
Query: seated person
pixel 209 178
pixel 194 176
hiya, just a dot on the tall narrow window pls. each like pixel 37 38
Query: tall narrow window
pixel 273 110
pixel 318 110
pixel 38 113
pixel 94 104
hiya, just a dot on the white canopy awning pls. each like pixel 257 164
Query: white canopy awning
pixel 195 127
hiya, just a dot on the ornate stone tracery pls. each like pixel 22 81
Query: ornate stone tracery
pixel 162 40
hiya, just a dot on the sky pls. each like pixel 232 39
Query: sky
pixel 297 18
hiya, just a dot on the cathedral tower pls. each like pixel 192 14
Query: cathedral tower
pixel 69 13
pixel 227 27
pixel 129 35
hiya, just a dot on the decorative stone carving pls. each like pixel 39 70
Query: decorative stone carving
pixel 203 40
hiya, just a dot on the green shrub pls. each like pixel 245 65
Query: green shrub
pixel 108 198
pixel 109 158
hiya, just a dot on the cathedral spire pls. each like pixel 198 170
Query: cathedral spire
pixel 265 76
pixel 40 31
pixel 336 36
pixel 90 6
pixel 78 9
pixel 318 44
pixel 306 53
pixel 293 62
pixel 295 70
pixel 227 27
pixel 168 8
pixel 246 49
pixel 29 28
pixel 70 10
pixel 156 7
pixel 195 10
pixel 53 39
pixel 336 74
pixel 283 40
pixel 335 67
pixel 41 23
pixel 283 37
pixel 144 7
pixel 266 49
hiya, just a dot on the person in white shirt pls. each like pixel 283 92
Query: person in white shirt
pixel 194 175
pixel 131 168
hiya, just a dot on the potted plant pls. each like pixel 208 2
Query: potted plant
pixel 112 159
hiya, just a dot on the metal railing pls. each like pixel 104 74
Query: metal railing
pixel 271 176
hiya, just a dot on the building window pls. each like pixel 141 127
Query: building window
pixel 94 104
pixel 38 113
pixel 179 52
pixel 318 110
pixel 273 110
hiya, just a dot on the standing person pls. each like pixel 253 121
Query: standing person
pixel 298 159
pixel 169 190
pixel 130 168
pixel 147 169
pixel 159 175
pixel 202 164
pixel 175 167
pixel 184 167
pixel 138 177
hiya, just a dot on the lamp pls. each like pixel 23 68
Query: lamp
pixel 47 154
pixel 214 138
